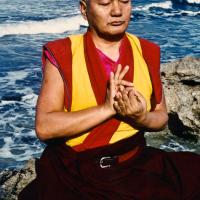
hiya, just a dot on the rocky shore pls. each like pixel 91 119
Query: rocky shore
pixel 13 181
pixel 181 81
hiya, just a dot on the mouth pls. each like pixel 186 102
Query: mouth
pixel 117 23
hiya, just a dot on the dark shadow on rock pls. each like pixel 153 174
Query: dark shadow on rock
pixel 177 128
pixel 190 82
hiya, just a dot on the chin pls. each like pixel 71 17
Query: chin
pixel 116 33
pixel 113 36
pixel 112 33
pixel 117 30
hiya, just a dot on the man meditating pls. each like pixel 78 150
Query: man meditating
pixel 100 92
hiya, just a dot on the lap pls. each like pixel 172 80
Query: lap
pixel 154 174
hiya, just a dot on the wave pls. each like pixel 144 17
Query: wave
pixel 165 9
pixel 182 13
pixel 189 2
pixel 164 5
pixel 58 25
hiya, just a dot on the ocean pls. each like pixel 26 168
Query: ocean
pixel 26 25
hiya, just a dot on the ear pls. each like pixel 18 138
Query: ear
pixel 83 7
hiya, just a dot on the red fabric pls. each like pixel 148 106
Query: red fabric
pixel 102 134
pixel 109 64
pixel 50 58
pixel 151 54
pixel 61 51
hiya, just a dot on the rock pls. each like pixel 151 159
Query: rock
pixel 13 181
pixel 185 70
pixel 181 81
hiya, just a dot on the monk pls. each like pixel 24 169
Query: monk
pixel 100 92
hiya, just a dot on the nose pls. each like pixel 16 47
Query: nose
pixel 116 8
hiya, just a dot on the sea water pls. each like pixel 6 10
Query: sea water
pixel 26 25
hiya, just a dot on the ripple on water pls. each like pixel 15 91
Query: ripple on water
pixel 16 151
pixel 2 143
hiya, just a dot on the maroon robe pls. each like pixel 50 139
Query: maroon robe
pixel 152 174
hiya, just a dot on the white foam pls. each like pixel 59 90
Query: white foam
pixel 4 102
pixel 5 150
pixel 58 25
pixel 183 12
pixel 193 1
pixel 30 99
pixel 165 5
pixel 13 76
pixel 175 146
pixel 168 5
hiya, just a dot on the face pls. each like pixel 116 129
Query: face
pixel 107 17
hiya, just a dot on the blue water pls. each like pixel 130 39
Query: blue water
pixel 26 25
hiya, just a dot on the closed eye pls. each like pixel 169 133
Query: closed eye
pixel 124 1
pixel 104 4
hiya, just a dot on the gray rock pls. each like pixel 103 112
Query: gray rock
pixel 13 181
pixel 181 81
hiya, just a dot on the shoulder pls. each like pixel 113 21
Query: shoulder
pixel 58 44
pixel 147 45
pixel 62 42
pixel 144 43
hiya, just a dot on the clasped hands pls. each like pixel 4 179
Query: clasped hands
pixel 123 99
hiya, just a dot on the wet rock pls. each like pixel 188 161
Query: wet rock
pixel 13 181
pixel 181 81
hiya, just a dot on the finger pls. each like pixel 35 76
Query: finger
pixel 124 96
pixel 121 104
pixel 119 100
pixel 123 73
pixel 121 88
pixel 139 96
pixel 140 104
pixel 117 107
pixel 126 83
pixel 133 99
pixel 134 92
pixel 119 67
pixel 128 89
pixel 118 94
pixel 126 100
pixel 112 84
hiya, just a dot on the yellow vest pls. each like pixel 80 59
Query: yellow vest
pixel 83 96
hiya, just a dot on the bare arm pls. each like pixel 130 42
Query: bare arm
pixel 53 122
pixel 132 104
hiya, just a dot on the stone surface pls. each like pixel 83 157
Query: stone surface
pixel 181 81
pixel 13 181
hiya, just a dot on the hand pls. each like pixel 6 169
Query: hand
pixel 118 78
pixel 131 103
pixel 116 81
